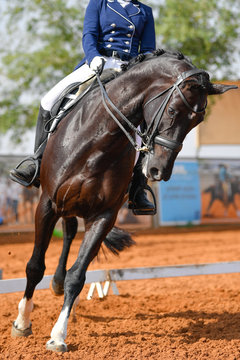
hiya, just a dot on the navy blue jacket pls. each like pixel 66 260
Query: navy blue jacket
pixel 109 26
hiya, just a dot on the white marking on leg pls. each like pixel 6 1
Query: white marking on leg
pixel 25 307
pixel 59 331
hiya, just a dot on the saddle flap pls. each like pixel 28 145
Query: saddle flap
pixel 68 94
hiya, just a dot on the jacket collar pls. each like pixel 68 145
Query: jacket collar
pixel 130 10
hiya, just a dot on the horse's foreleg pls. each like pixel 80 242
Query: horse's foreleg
pixel 96 232
pixel 45 221
pixel 69 226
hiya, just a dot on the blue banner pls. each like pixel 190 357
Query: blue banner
pixel 180 198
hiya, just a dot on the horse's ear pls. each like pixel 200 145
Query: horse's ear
pixel 216 89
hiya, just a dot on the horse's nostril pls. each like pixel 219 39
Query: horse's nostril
pixel 155 173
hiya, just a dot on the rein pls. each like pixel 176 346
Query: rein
pixel 123 117
pixel 147 137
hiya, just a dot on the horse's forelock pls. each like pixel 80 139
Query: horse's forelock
pixel 204 80
pixel 200 81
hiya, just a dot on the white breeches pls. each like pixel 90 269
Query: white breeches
pixel 80 75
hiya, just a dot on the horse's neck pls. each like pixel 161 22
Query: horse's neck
pixel 127 93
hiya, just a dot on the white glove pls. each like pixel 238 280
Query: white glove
pixel 97 64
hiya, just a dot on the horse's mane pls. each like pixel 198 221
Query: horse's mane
pixel 149 56
pixel 111 74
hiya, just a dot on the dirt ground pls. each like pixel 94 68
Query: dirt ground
pixel 167 319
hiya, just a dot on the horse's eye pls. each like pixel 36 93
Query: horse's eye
pixel 171 112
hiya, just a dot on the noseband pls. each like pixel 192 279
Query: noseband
pixel 170 144
pixel 149 137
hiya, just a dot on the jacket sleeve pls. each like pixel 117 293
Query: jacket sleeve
pixel 91 30
pixel 148 39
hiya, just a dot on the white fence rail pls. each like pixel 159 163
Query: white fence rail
pixel 111 276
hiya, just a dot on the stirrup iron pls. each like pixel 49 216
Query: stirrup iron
pixel 22 182
pixel 144 212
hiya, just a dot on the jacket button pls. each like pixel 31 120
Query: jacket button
pixel 126 50
pixel 127 42
pixel 113 25
pixel 111 39
pixel 130 26
pixel 109 45
pixel 113 32
pixel 129 35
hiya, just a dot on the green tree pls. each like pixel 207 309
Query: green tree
pixel 205 30
pixel 42 45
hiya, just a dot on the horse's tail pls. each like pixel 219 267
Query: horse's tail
pixel 117 240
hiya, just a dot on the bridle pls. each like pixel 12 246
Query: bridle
pixel 149 137
pixel 160 139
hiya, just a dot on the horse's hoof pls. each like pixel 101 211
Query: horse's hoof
pixel 57 289
pixel 56 346
pixel 20 333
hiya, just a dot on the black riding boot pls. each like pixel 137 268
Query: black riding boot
pixel 29 175
pixel 138 200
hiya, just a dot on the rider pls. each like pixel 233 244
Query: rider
pixel 114 31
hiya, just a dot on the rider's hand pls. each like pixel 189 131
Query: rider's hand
pixel 97 64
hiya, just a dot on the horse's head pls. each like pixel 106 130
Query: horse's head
pixel 170 112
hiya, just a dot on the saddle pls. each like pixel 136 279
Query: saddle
pixel 74 93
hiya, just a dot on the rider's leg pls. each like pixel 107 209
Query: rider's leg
pixel 26 174
pixel 137 196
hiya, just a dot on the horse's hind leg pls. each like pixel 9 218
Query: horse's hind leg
pixel 69 226
pixel 96 232
pixel 45 221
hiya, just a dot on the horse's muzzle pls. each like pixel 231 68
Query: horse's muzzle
pixel 158 165
pixel 155 174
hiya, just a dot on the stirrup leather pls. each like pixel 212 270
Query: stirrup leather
pixel 143 211
pixel 22 182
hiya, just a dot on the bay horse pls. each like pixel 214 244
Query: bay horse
pixel 88 163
